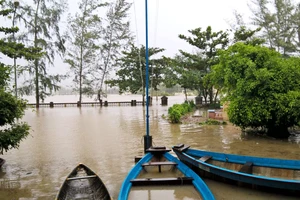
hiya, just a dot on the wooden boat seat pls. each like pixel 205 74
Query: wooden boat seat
pixel 159 164
pixel 158 147
pixel 81 177
pixel 205 158
pixel 247 168
pixel 158 150
pixel 162 181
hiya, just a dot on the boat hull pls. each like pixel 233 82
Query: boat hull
pixel 241 169
pixel 83 183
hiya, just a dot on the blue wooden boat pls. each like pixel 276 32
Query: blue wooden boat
pixel 257 172
pixel 160 164
pixel 83 183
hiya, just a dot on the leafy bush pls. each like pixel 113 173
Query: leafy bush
pixel 178 110
pixel 262 87
pixel 174 114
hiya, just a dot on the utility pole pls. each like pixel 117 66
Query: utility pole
pixel 147 137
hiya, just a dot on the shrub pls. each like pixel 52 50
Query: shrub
pixel 178 110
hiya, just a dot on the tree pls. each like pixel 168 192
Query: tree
pixel 241 34
pixel 116 36
pixel 207 43
pixel 12 108
pixel 279 22
pixel 180 72
pixel 263 88
pixel 131 77
pixel 85 31
pixel 43 31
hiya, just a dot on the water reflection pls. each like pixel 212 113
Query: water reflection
pixel 107 139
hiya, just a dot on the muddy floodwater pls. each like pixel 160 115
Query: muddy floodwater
pixel 107 139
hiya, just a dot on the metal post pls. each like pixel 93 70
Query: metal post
pixel 147 139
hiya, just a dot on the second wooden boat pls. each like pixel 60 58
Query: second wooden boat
pixel 83 183
pixel 164 170
pixel 267 173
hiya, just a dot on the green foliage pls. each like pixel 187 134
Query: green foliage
pixel 4 75
pixel 18 50
pixel 174 114
pixel 11 137
pixel 199 64
pixel 178 110
pixel 182 74
pixel 42 30
pixel 280 21
pixel 131 76
pixel 213 122
pixel 263 88
pixel 12 108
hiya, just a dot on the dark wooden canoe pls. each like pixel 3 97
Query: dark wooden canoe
pixel 83 183
pixel 267 173
pixel 158 163
pixel 2 161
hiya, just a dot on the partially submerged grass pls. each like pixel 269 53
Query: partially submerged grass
pixel 213 122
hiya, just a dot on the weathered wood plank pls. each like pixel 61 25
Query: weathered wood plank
pixel 81 177
pixel 158 163
pixel 162 181
pixel 158 150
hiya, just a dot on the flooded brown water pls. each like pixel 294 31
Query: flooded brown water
pixel 107 139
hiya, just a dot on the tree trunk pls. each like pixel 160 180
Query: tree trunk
pixel 37 94
pixel 211 95
pixel 216 95
pixel 80 85
pixel 278 131
pixel 36 61
pixel 143 99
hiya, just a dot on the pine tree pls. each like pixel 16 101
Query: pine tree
pixel 85 33
pixel 11 108
pixel 42 31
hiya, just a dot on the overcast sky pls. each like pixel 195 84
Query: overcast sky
pixel 169 18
